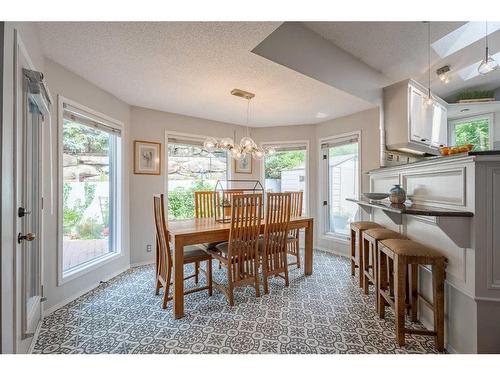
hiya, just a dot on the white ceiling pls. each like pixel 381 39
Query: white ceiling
pixel 399 51
pixel 190 68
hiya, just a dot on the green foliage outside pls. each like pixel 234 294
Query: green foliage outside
pixel 477 94
pixel 274 164
pixel 347 149
pixel 181 200
pixel 82 139
pixel 474 132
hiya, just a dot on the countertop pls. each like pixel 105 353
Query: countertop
pixel 410 209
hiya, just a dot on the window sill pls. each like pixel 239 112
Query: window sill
pixel 87 267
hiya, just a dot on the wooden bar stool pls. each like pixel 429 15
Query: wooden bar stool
pixel 406 253
pixel 357 228
pixel 371 238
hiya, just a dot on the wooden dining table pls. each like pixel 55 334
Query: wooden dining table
pixel 205 230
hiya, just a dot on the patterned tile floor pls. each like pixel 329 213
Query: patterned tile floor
pixel 322 313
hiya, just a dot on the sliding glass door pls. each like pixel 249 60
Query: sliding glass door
pixel 341 180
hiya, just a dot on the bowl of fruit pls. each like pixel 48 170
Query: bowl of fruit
pixel 445 151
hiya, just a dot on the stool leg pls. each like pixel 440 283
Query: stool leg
pixel 360 259
pixel 438 276
pixel 375 273
pixel 366 264
pixel 414 292
pixel 400 269
pixel 382 283
pixel 353 252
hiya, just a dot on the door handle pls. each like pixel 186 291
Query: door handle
pixel 27 237
pixel 21 212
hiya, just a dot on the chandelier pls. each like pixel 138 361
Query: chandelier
pixel 246 146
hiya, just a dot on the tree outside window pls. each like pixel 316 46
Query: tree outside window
pixel 473 131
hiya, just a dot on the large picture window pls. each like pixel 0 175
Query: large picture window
pixel 473 130
pixel 341 179
pixel 285 170
pixel 190 169
pixel 91 149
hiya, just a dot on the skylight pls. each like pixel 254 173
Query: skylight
pixel 471 71
pixel 462 37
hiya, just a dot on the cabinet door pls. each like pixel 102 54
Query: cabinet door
pixel 419 117
pixel 439 125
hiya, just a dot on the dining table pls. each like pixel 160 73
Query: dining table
pixel 207 230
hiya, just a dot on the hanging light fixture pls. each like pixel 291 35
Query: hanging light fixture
pixel 443 74
pixel 488 64
pixel 246 146
pixel 429 100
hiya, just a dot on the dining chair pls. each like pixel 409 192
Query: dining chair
pixel 293 234
pixel 240 254
pixel 192 254
pixel 204 204
pixel 273 246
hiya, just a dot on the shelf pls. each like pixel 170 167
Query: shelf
pixel 455 223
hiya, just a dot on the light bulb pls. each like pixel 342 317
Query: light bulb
pixel 429 101
pixel 258 154
pixel 237 153
pixel 487 65
pixel 210 144
pixel 227 142
pixel 270 151
pixel 247 144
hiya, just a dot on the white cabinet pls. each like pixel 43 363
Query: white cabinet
pixel 412 124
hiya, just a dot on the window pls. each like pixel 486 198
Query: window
pixel 341 181
pixel 286 170
pixel 190 169
pixel 474 130
pixel 91 151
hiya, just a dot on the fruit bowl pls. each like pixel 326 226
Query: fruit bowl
pixel 376 196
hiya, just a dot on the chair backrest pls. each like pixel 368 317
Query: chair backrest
pixel 204 204
pixel 296 203
pixel 276 231
pixel 246 216
pixel 162 236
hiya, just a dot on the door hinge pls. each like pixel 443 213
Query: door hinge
pixel 325 203
pixel 43 298
pixel 324 157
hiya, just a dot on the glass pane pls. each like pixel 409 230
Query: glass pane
pixel 86 194
pixel 190 169
pixel 343 183
pixel 285 171
pixel 474 132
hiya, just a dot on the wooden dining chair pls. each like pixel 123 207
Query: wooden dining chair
pixel 204 204
pixel 274 245
pixel 192 254
pixel 240 255
pixel 293 234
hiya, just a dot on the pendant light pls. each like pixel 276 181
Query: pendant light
pixel 429 100
pixel 488 64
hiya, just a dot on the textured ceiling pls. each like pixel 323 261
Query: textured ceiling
pixel 190 68
pixel 399 50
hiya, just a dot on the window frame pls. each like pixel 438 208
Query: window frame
pixel 324 232
pixel 301 142
pixel 491 126
pixel 116 183
pixel 192 137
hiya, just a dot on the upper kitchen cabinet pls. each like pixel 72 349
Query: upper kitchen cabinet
pixel 412 125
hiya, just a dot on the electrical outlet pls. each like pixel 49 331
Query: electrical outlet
pixel 148 248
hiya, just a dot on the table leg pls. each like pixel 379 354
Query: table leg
pixel 308 251
pixel 178 278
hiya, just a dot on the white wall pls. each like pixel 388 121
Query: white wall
pixel 151 125
pixel 63 82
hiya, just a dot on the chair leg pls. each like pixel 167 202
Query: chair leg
pixel 287 283
pixel 353 252
pixel 382 283
pixel 230 286
pixel 166 290
pixel 297 248
pixel 438 276
pixel 360 259
pixel 414 292
pixel 365 251
pixel 209 277
pixel 196 272
pixel 400 270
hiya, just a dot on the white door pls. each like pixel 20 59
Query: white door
pixel 29 203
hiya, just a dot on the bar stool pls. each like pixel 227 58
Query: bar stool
pixel 404 253
pixel 357 228
pixel 371 238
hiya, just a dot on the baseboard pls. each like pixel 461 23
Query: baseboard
pixel 35 338
pixel 332 251
pixel 81 293
pixel 139 264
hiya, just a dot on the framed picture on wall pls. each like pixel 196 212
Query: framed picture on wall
pixel 147 157
pixel 244 165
